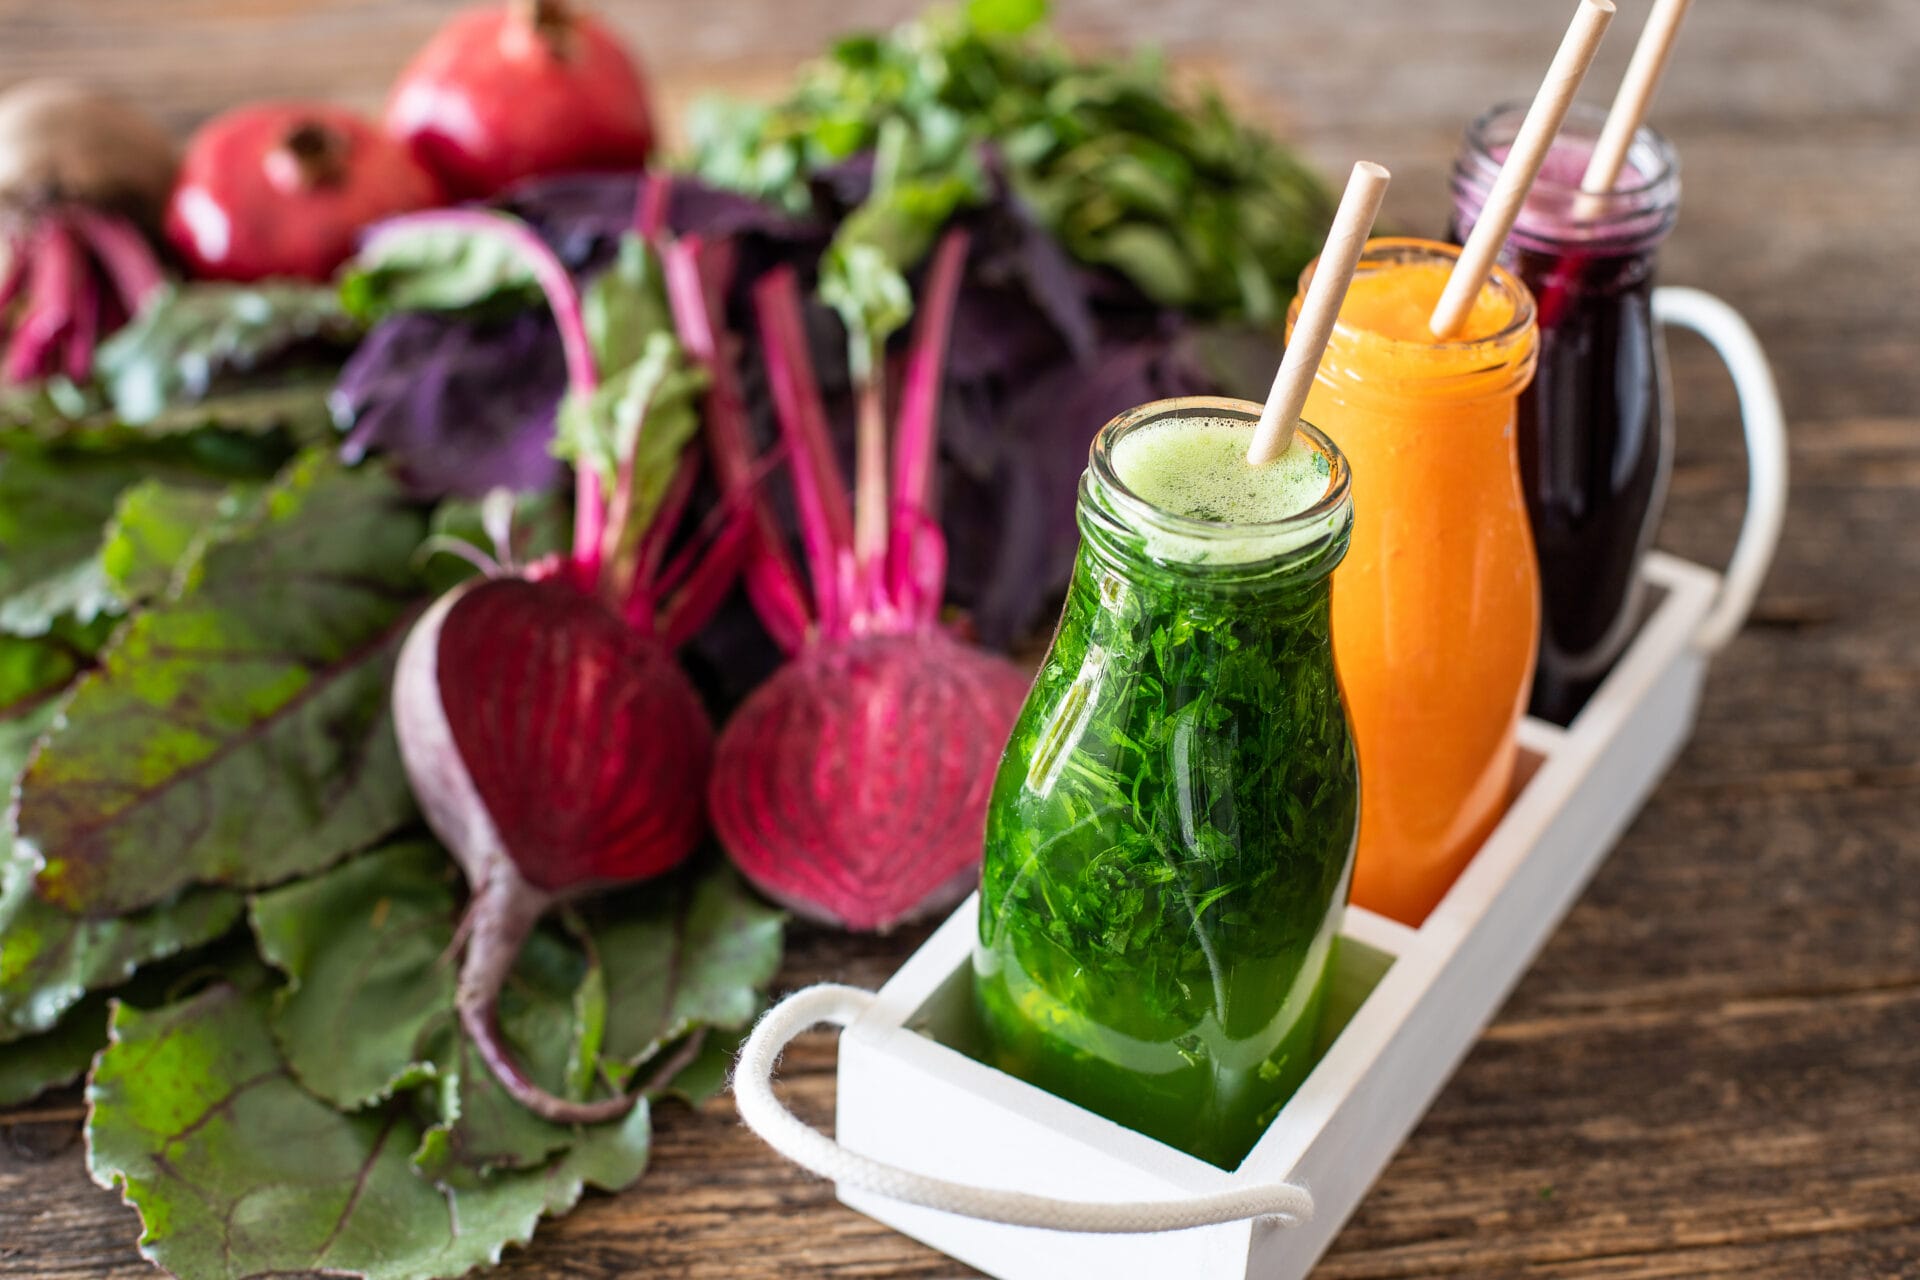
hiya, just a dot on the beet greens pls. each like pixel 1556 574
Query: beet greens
pixel 852 786
pixel 551 738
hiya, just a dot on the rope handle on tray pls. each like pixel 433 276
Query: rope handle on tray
pixel 813 1151
pixel 1765 426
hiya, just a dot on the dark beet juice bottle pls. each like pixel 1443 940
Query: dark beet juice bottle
pixel 1596 434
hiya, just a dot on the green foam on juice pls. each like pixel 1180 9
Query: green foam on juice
pixel 1197 468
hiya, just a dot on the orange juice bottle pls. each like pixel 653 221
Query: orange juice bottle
pixel 1436 612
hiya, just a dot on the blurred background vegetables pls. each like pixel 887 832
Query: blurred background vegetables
pixel 282 189
pixel 513 90
pixel 1198 210
pixel 83 178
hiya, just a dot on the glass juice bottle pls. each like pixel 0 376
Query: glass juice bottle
pixel 1596 434
pixel 1171 831
pixel 1436 610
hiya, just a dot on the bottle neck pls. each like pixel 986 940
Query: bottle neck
pixel 1150 546
pixel 1375 356
pixel 1558 218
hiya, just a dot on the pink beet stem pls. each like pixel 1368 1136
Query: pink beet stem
pixel 501 915
pixel 583 376
pixel 731 507
pixel 820 493
pixel 125 254
pixel 916 559
pixel 650 213
pixel 870 468
pixel 673 508
pixel 620 573
pixel 773 583
pixel 693 605
pixel 51 281
pixel 85 329
pixel 926 362
pixel 13 271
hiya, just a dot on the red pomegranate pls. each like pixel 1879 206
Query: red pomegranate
pixel 283 189
pixel 505 92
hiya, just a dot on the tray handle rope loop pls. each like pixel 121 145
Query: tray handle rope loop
pixel 1287 1204
pixel 1766 431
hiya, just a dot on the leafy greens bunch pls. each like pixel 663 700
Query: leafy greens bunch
pixel 1196 209
pixel 214 885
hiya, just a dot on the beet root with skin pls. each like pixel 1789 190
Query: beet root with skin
pixel 852 787
pixel 555 751
pixel 83 179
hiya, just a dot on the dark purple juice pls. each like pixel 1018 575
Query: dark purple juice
pixel 1595 427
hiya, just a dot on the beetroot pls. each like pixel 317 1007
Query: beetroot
pixel 285 188
pixel 554 744
pixel 852 787
pixel 836 790
pixel 82 178
pixel 511 91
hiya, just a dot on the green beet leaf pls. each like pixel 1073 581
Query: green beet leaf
pixel 625 305
pixel 238 733
pixel 32 673
pixel 51 513
pixel 704 1077
pixel 531 527
pixel 647 404
pixel 50 959
pixel 61 571
pixel 434 269
pixel 698 955
pixel 368 1006
pixel 190 339
pixel 237 1171
pixel 369 983
pixel 30 1067
pixel 919 184
pixel 1200 210
pixel 155 526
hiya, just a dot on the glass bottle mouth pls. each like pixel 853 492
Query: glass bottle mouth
pixel 1112 512
pixel 1361 362
pixel 1633 217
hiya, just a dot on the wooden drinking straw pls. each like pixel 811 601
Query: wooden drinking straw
pixel 1528 153
pixel 1352 224
pixel 1637 88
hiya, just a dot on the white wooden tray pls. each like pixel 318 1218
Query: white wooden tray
pixel 1406 1004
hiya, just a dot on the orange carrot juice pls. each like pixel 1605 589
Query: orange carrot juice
pixel 1436 610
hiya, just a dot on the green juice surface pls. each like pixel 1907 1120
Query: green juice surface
pixel 1171 830
pixel 1197 467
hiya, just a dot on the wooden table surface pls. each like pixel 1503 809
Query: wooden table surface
pixel 1714 1068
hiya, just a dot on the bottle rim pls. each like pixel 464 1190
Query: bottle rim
pixel 1391 251
pixel 1638 212
pixel 1301 533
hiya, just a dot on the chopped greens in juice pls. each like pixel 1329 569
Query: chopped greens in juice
pixel 1172 827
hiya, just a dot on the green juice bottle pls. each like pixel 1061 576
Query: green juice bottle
pixel 1172 828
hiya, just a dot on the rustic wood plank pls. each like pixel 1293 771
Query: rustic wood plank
pixel 1714 1065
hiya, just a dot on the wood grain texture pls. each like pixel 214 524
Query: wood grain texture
pixel 1714 1068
